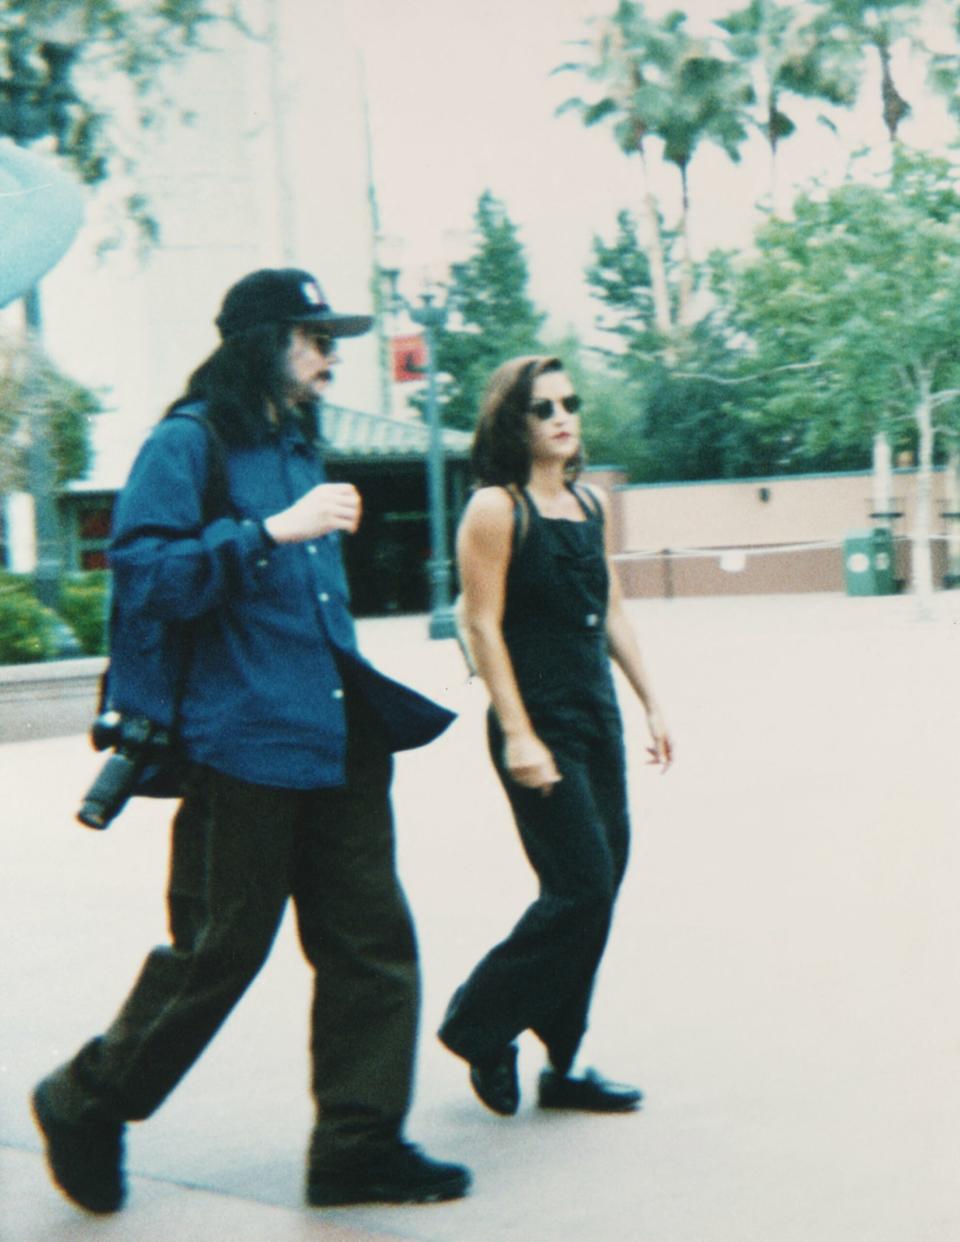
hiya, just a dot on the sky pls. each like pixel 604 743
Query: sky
pixel 461 99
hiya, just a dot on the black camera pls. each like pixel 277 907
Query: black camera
pixel 137 743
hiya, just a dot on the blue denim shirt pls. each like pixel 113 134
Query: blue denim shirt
pixel 264 633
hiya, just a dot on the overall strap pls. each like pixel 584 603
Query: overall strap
pixel 587 502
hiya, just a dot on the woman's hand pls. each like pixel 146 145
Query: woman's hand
pixel 661 751
pixel 530 763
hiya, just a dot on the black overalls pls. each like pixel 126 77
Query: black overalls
pixel 541 977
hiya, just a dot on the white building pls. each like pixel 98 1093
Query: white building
pixel 272 170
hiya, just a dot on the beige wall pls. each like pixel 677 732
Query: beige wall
pixel 811 509
pixel 806 509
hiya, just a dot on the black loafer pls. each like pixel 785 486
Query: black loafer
pixel 495 1082
pixel 590 1094
pixel 85 1159
pixel 400 1173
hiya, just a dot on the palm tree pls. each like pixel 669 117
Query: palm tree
pixel 657 81
pixel 786 49
pixel 876 25
pixel 620 75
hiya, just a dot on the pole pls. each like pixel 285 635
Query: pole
pixel 442 624
pixel 40 466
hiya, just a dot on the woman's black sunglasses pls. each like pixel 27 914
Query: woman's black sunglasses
pixel 543 409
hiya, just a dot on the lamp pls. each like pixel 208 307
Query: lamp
pixel 434 302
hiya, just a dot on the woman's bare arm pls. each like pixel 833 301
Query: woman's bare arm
pixel 626 652
pixel 484 547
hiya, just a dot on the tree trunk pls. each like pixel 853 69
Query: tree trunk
pixel 685 298
pixel 653 240
pixel 894 106
pixel 922 567
pixel 778 194
pixel 764 79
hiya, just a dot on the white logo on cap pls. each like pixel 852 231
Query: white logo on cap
pixel 311 293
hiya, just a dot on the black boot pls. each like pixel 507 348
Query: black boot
pixel 84 1152
pixel 395 1173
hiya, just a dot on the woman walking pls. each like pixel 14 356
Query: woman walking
pixel 544 617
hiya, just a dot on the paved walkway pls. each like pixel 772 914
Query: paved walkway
pixel 782 978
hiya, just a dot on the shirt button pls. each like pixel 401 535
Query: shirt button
pixel 338 694
pixel 592 620
pixel 311 548
pixel 323 597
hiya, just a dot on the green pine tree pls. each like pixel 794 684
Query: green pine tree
pixel 496 318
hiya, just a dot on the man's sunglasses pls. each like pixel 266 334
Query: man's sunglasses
pixel 544 408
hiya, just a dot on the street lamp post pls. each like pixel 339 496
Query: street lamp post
pixel 35 104
pixel 431 315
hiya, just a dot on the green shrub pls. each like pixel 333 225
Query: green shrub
pixel 23 582
pixel 27 629
pixel 84 599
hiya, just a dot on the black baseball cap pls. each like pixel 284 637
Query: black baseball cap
pixel 284 295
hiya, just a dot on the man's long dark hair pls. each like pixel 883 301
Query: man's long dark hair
pixel 242 380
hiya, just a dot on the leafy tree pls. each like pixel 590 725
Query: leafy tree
pixel 496 318
pixel 73 54
pixel 619 276
pixel 64 407
pixel 698 385
pixel 852 315
pixel 678 423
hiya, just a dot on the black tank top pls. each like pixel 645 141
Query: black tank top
pixel 555 612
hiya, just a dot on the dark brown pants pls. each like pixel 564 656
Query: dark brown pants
pixel 239 852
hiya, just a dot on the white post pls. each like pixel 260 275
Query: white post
pixel 882 474
pixel 922 570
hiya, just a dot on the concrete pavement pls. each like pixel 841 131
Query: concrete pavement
pixel 782 979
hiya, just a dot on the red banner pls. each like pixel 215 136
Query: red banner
pixel 409 359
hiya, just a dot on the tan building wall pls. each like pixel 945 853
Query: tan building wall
pixel 761 536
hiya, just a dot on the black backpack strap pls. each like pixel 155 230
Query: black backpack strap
pixel 521 515
pixel 216 500
pixel 214 503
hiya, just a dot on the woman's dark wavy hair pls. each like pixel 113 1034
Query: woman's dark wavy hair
pixel 242 379
pixel 501 442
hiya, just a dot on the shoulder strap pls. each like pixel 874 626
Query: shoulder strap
pixel 521 515
pixel 587 502
pixel 215 503
pixel 216 500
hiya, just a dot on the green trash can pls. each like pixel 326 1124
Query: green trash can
pixel 868 562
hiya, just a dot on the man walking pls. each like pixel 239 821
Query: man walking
pixel 231 624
